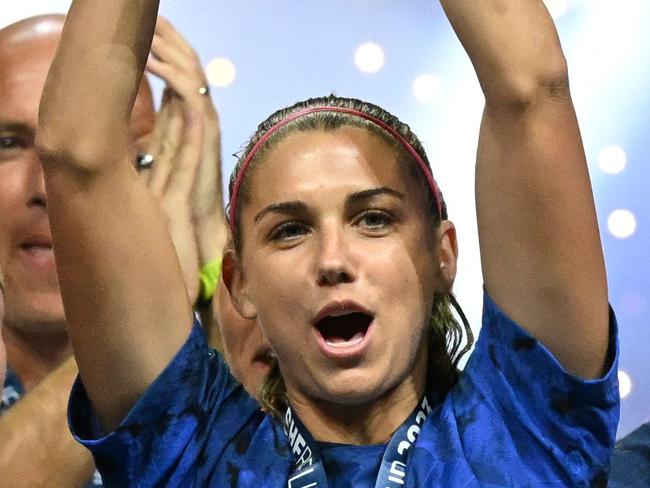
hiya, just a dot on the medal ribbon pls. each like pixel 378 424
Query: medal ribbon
pixel 309 472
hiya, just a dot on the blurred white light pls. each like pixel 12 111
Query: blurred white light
pixel 557 8
pixel 624 384
pixel 427 88
pixel 612 159
pixel 621 223
pixel 221 72
pixel 369 57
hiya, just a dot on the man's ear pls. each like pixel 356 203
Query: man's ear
pixel 233 278
pixel 447 257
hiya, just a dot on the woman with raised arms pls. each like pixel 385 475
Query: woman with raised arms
pixel 343 252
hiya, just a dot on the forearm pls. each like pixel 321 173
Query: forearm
pixel 513 45
pixel 37 448
pixel 102 53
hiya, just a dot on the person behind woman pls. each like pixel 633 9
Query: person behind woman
pixel 344 254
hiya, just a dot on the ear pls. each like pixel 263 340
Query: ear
pixel 233 277
pixel 447 257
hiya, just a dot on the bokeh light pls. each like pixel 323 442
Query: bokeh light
pixel 612 159
pixel 369 57
pixel 621 223
pixel 624 384
pixel 221 72
pixel 427 88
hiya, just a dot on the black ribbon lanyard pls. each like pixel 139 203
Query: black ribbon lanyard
pixel 309 472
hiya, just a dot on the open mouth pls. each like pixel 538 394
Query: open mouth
pixel 36 247
pixel 344 330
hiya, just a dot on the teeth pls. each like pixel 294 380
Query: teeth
pixel 340 313
pixel 352 342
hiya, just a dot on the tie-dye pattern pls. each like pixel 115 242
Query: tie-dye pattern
pixel 515 418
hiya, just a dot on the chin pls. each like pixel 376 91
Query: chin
pixel 353 389
pixel 46 317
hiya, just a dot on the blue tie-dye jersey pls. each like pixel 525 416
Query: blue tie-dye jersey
pixel 515 418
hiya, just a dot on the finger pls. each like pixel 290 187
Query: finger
pixel 169 53
pixel 207 196
pixel 186 86
pixel 169 144
pixel 188 156
pixel 156 137
pixel 166 30
pixel 154 140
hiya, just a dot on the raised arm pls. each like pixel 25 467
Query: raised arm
pixel 123 291
pixel 540 248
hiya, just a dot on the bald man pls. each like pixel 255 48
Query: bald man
pixel 36 448
pixel 34 307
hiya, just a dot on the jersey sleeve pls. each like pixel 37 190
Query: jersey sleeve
pixel 545 410
pixel 194 402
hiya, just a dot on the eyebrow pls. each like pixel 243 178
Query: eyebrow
pixel 364 195
pixel 282 207
pixel 18 127
pixel 296 206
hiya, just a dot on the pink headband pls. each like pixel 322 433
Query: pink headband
pixel 411 150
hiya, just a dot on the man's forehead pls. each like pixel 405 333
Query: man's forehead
pixel 27 48
pixel 26 52
pixel 22 76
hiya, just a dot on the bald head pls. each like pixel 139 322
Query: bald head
pixel 27 48
pixel 40 27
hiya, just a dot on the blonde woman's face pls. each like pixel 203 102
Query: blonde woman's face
pixel 338 265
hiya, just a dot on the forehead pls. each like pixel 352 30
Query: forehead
pixel 24 64
pixel 311 162
pixel 23 70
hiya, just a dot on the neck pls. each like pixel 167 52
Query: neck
pixel 369 423
pixel 33 356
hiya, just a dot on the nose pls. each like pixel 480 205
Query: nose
pixel 35 184
pixel 335 263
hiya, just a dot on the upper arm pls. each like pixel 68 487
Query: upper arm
pixel 540 248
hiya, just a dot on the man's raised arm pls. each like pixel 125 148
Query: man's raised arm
pixel 123 291
pixel 540 248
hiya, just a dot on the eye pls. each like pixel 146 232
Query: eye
pixel 10 142
pixel 288 232
pixel 374 220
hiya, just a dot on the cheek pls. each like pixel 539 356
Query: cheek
pixel 278 282
pixel 232 325
pixel 406 277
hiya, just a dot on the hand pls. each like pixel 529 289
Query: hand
pixel 195 211
pixel 176 62
pixel 176 145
